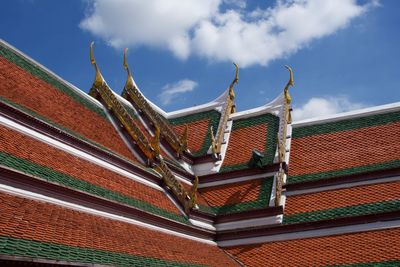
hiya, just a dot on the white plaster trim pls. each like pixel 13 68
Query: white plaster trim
pixel 43 68
pixel 272 107
pixel 342 186
pixel 202 224
pixel 313 233
pixel 43 198
pixel 270 220
pixel 235 180
pixel 203 168
pixel 349 115
pixel 215 104
pixel 73 151
pixel 273 192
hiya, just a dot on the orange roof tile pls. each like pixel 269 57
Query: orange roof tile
pixel 237 197
pixel 366 247
pixel 317 153
pixel 40 96
pixel 342 197
pixel 31 220
pixel 34 151
pixel 248 134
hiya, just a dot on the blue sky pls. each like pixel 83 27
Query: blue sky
pixel 345 54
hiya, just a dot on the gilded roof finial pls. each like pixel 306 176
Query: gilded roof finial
pixel 193 191
pixel 289 83
pixel 129 81
pixel 235 80
pixel 98 79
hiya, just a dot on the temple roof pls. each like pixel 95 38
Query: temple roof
pixel 109 179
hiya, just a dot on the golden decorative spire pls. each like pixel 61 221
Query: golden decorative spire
pixel 193 193
pixel 235 80
pixel 184 138
pixel 129 81
pixel 99 78
pixel 213 143
pixel 290 83
pixel 156 141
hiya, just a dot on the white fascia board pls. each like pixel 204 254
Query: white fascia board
pixel 202 224
pixel 236 180
pixel 349 115
pixel 312 233
pixel 342 186
pixel 273 107
pixel 203 168
pixel 49 72
pixel 215 104
pixel 39 197
pixel 265 221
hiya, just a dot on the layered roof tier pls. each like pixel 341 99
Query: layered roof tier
pixel 104 179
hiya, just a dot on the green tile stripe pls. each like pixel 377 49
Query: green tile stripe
pixel 337 173
pixel 270 145
pixel 72 182
pixel 350 211
pixel 52 251
pixel 344 125
pixel 44 76
pixel 60 127
pixel 261 202
pixel 390 263
pixel 212 115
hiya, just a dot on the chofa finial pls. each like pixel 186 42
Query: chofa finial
pixel 129 81
pixel 289 83
pixel 98 79
pixel 235 80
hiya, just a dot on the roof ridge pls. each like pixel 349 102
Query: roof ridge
pixel 364 112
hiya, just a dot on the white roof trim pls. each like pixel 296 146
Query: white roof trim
pixel 349 115
pixel 216 103
pixel 272 107
pixel 68 84
pixel 81 208
pixel 315 233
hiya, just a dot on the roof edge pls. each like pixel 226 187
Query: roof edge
pixel 349 115
pixel 45 69
pixel 272 107
pixel 217 102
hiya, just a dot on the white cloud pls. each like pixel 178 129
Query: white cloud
pixel 193 27
pixel 317 106
pixel 171 92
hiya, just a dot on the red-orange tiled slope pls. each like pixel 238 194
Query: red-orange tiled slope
pixel 342 198
pixel 366 247
pixel 15 144
pixel 255 133
pixel 199 124
pixel 25 84
pixel 345 147
pixel 232 193
pixel 25 219
pixel 237 197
